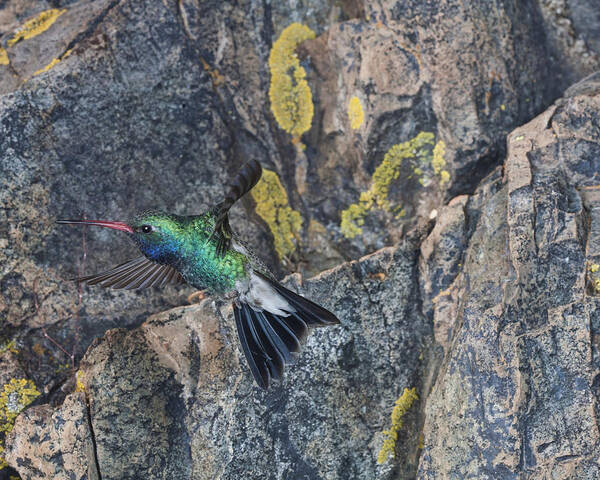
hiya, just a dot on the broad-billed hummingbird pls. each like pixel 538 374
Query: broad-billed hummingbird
pixel 201 250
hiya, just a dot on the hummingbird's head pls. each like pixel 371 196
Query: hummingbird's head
pixel 157 234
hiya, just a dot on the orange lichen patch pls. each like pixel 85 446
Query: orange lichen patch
pixel 38 349
pixel 35 26
pixel 196 297
pixel 4 57
pixel 356 115
pixel 290 95
pixel 216 77
pixel 378 276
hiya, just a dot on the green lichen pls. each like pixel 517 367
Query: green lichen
pixel 35 26
pixel 273 207
pixel 290 95
pixel 426 161
pixel 16 395
pixel 401 406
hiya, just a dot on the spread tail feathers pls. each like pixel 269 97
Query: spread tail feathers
pixel 271 341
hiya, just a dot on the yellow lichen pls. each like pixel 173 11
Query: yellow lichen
pixel 356 114
pixel 290 95
pixel 594 278
pixel 273 207
pixel 36 25
pixel 419 151
pixel 9 347
pixel 402 405
pixel 47 67
pixel 439 162
pixel 52 63
pixel 4 57
pixel 15 396
pixel 79 386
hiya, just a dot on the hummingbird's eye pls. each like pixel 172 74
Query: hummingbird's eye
pixel 146 228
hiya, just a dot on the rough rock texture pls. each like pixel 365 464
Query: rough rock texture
pixel 573 31
pixel 113 128
pixel 466 73
pixel 121 106
pixel 180 383
pixel 516 393
pixel 55 443
pixel 118 106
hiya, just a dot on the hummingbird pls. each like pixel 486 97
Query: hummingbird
pixel 272 322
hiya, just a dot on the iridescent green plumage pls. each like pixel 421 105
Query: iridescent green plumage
pixel 188 244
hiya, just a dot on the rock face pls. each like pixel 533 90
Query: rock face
pixel 516 393
pixel 56 443
pixel 179 382
pixel 481 292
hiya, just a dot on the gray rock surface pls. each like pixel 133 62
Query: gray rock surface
pixel 516 392
pixel 175 399
pixel 573 35
pixel 119 106
pixel 55 443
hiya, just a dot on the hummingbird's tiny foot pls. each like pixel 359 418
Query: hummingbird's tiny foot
pixel 196 297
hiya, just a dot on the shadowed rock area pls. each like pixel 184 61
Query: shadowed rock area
pixel 447 197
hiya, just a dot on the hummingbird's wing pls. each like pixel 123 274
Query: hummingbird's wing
pixel 242 183
pixel 137 273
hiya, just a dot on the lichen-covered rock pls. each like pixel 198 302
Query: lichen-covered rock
pixel 126 121
pixel 109 106
pixel 54 443
pixel 465 76
pixel 174 398
pixel 517 390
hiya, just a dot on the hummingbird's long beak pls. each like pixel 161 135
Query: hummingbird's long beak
pixel 101 223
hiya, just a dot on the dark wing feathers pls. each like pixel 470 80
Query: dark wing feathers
pixel 137 273
pixel 242 183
